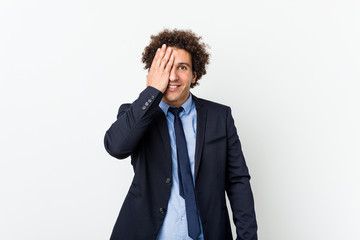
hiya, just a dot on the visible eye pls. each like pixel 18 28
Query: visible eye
pixel 182 67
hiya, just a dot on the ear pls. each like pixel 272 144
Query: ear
pixel 194 77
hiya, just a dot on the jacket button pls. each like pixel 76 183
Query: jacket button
pixel 162 210
pixel 144 107
pixel 168 180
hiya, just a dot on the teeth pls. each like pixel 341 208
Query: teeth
pixel 173 86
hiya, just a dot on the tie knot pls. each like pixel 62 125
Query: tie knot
pixel 176 111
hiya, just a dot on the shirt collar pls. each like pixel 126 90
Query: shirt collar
pixel 186 105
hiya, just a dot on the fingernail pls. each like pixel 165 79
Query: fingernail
pixel 158 49
pixel 164 45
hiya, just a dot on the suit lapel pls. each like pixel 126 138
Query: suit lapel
pixel 200 132
pixel 162 126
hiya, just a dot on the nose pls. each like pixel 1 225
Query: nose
pixel 173 74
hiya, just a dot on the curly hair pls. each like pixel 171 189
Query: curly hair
pixel 182 39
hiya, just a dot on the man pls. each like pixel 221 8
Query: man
pixel 185 152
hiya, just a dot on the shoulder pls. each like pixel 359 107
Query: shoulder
pixel 211 105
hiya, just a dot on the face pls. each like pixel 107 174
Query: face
pixel 181 77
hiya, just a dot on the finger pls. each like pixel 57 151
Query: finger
pixel 166 58
pixel 155 58
pixel 170 64
pixel 161 55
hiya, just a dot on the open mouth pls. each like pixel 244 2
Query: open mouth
pixel 173 87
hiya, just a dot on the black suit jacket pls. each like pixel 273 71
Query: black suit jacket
pixel 141 131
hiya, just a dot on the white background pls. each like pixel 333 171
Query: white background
pixel 290 70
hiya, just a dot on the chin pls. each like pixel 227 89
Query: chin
pixel 170 97
pixel 170 101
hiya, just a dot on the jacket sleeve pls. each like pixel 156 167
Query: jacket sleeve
pixel 238 186
pixel 132 121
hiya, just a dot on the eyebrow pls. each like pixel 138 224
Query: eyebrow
pixel 184 63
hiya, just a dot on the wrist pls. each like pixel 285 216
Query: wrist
pixel 158 87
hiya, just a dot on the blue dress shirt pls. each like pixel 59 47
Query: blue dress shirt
pixel 175 223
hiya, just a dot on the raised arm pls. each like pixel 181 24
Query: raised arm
pixel 133 119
